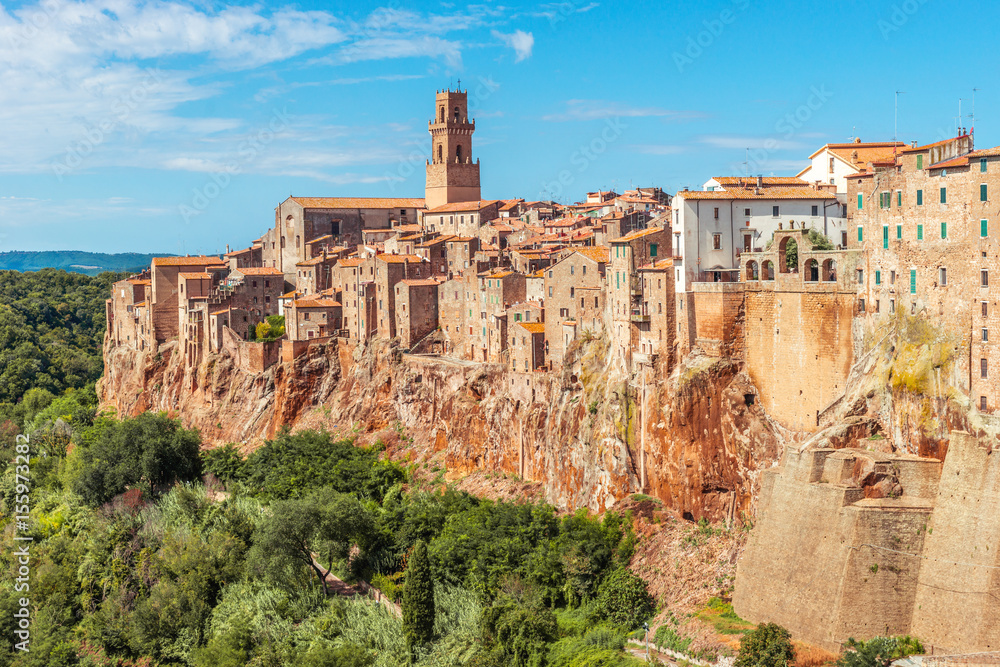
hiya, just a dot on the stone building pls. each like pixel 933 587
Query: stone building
pixel 833 164
pixel 416 310
pixel 928 227
pixel 460 218
pixel 165 290
pixel 461 254
pixel 435 251
pixel 317 317
pixel 582 269
pixel 452 176
pixel 631 308
pixel 527 346
pixel 128 312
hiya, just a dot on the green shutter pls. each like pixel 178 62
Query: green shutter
pixel 652 250
pixel 878 277
pixel 982 193
pixel 944 230
pixel 885 237
pixel 861 200
pixel 618 282
pixel 920 162
pixel 899 198
pixel 861 234
pixel 984 228
pixel 920 232
pixel 899 231
pixel 913 281
pixel 920 197
pixel 944 195
pixel 982 165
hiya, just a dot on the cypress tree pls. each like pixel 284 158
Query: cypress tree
pixel 418 599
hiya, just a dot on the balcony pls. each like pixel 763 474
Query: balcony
pixel 639 318
pixel 635 285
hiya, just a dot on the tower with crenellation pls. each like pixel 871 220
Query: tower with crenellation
pixel 452 175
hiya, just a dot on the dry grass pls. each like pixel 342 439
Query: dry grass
pixel 807 655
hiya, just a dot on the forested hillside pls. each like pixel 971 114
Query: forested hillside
pixel 77 261
pixel 51 329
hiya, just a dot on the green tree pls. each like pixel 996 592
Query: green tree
pixel 770 645
pixel 625 600
pixel 518 632
pixel 878 651
pixel 271 328
pixel 418 599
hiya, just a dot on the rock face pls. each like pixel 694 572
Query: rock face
pixel 694 438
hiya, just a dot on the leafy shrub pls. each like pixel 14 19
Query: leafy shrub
pixel 770 645
pixel 878 651
pixel 625 600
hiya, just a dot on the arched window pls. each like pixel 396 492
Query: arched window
pixel 458 152
pixel 830 270
pixel 812 272
pixel 440 153
pixel 752 271
pixel 788 255
pixel 456 114
pixel 442 114
pixel 768 270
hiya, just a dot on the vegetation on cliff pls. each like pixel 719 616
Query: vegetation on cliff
pixel 136 562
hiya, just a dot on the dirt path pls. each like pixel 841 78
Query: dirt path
pixel 337 586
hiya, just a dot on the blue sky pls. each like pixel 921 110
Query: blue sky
pixel 178 126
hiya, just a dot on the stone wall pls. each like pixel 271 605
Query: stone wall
pixel 718 312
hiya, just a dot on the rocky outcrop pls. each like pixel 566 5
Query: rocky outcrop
pixel 693 438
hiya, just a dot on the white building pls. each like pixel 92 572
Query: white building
pixel 833 164
pixel 735 214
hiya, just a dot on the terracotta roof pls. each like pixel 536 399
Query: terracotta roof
pixel 461 239
pixel 540 273
pixel 661 265
pixel 315 260
pixel 925 147
pixel 350 261
pixel 138 281
pixel 196 276
pixel 637 234
pixel 260 271
pixel 238 252
pixel 410 237
pixel 399 259
pixel 597 253
pixel 420 282
pixel 407 228
pixel 320 238
pixel 858 154
pixel 532 327
pixel 566 222
pixel 357 202
pixel 751 181
pixel 316 303
pixel 435 241
pixel 964 160
pixel 508 204
pixel 187 261
pixel 455 207
pixel 289 295
pixel 785 192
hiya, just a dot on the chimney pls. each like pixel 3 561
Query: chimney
pixel 913 144
pixel 324 252
pixel 760 181
pixel 857 140
pixel 227 248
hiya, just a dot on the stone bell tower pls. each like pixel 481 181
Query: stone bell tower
pixel 452 175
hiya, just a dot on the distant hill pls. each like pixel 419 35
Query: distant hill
pixel 88 263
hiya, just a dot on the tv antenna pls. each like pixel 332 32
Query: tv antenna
pixel 895 121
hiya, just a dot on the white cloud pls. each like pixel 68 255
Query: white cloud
pixel 384 48
pixel 767 143
pixel 522 43
pixel 657 149
pixel 601 109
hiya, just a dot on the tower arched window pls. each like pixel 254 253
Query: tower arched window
pixel 440 153
pixel 442 114
pixel 458 152
pixel 456 114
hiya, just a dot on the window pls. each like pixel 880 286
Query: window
pixel 884 199
pixel 572 270
pixel 572 292
pixel 944 195
pixel 861 276
pixel 982 165
pixel 892 277
pixel 982 399
pixel 831 165
pixel 815 210
pixel 984 278
pixel 861 305
pixel 861 234
pixel 877 304
pixel 986 335
pixel 885 236
pixel 985 307
pixel 944 230
pixel 717 241
pixel 774 211
pixel 920 197
pixel 899 231
pixel 982 368
pixel 983 229
pixel 652 251
pixel 716 212
pixel 982 193
pixel 942 276
pixel 899 197
pixel 892 305
pixel 920 232
pixel 913 281
pixel 861 199
pixel 550 291
pixel 267 283
pixel 746 212
pixel 920 162
pixel 878 277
